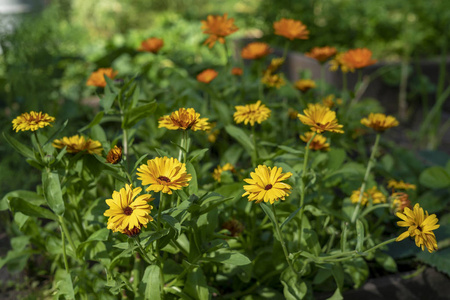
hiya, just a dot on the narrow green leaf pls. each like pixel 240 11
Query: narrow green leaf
pixel 240 136
pixel 52 192
pixel 136 114
pixel 136 165
pixel 268 211
pixel 193 184
pixel 55 134
pixel 227 256
pixel 291 150
pixel 291 216
pixel 19 147
pixel 359 235
pixel 152 282
pixel 97 119
pixel 162 152
pixel 197 153
pixel 23 206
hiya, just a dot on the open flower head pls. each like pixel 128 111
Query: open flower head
pixel 128 212
pixel 255 50
pixel 184 119
pixel 420 227
pixel 321 54
pixel 318 143
pixel 339 62
pixel 400 185
pixel 206 76
pixel 320 118
pixel 97 78
pixel 152 44
pixel 163 174
pixel 32 121
pixel 77 144
pixel 273 80
pixel 251 113
pixel 305 85
pixel 358 58
pixel 218 27
pixel 379 122
pixel 372 194
pixel 217 174
pixel 291 29
pixel 114 155
pixel 266 184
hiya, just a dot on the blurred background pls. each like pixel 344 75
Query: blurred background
pixel 49 47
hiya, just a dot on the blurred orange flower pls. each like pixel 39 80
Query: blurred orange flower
pixel 255 50
pixel 207 75
pixel 358 58
pixel 291 29
pixel 97 79
pixel 152 44
pixel 321 54
pixel 218 27
pixel 236 71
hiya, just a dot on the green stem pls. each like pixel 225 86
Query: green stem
pixel 66 263
pixel 255 154
pixel 137 239
pixel 125 149
pixel 127 282
pixel 285 50
pixel 366 177
pixel 260 84
pixel 380 245
pixel 41 151
pixel 227 58
pixel 160 208
pixel 280 238
pixel 66 232
pixel 303 190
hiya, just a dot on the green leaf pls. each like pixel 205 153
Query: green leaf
pixel 240 136
pixel 64 284
pixel 291 150
pixel 268 211
pixel 97 119
pixel 107 100
pixel 227 256
pixel 162 152
pixel 19 147
pixel 29 196
pixel 359 235
pixel 439 259
pixel 99 235
pixel 152 282
pixel 23 206
pixel 196 285
pixel 312 241
pixel 55 134
pixel 136 165
pixel 197 153
pixel 435 177
pixel 52 192
pixel 291 216
pixel 294 287
pixel 193 184
pixel 339 276
pixel 336 158
pixel 386 261
pixel 136 114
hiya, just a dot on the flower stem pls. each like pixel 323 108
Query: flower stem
pixel 280 238
pixel 366 177
pixel 227 59
pixel 160 208
pixel 137 239
pixel 41 151
pixel 303 189
pixel 63 240
pixel 66 232
pixel 255 154
pixel 285 50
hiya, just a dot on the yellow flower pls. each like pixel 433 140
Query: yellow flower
pixel 218 27
pixel 164 174
pixel 251 113
pixel 292 113
pixel 399 201
pixel 318 143
pixel 420 226
pixel 358 58
pixel 373 193
pixel 97 79
pixel 330 101
pixel 152 44
pixel 291 29
pixel 338 62
pixel 236 71
pixel 32 121
pixel 379 122
pixel 114 155
pixel 184 119
pixel 127 214
pixel 77 144
pixel 305 84
pixel 320 118
pixel 321 54
pixel 219 170
pixel 400 185
pixel 207 75
pixel 273 80
pixel 275 64
pixel 266 185
pixel 255 50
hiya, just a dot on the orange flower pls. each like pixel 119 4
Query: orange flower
pixel 255 50
pixel 218 27
pixel 358 58
pixel 97 79
pixel 291 29
pixel 151 45
pixel 236 71
pixel 322 54
pixel 207 75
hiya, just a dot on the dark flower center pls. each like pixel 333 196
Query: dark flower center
pixel 164 178
pixel 268 187
pixel 128 210
pixel 420 228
